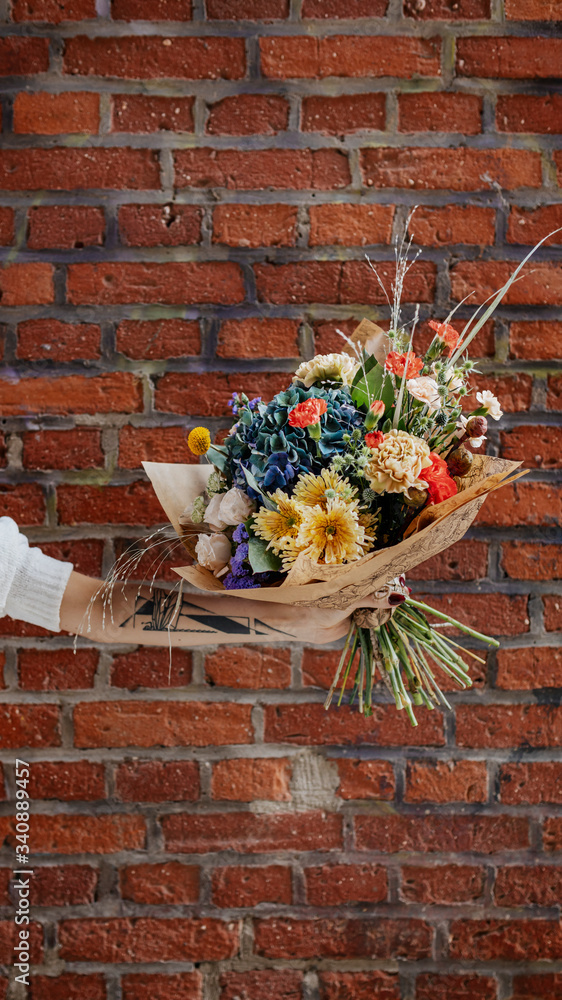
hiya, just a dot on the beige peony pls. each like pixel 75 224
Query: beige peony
pixel 426 390
pixel 213 552
pixel 327 367
pixel 397 464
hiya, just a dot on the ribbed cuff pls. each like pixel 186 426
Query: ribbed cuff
pixel 37 589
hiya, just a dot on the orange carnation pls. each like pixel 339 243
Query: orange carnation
pixel 446 333
pixel 397 363
pixel 308 412
pixel 440 486
pixel 374 439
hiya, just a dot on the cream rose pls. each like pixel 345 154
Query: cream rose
pixel 213 552
pixel 213 512
pixel 397 464
pixel 327 367
pixel 492 404
pixel 426 390
pixel 235 506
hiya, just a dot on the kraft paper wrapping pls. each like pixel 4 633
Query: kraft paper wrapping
pixel 310 583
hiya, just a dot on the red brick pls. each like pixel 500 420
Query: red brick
pixel 537 987
pixel 540 286
pixel 447 10
pixel 159 225
pixel 248 114
pixel 68 986
pixel 21 56
pixel 526 669
pixel 509 58
pixel 319 667
pixel 552 834
pixel 535 885
pixel 86 554
pixel 349 56
pixel 252 833
pixel 529 226
pixel 508 725
pixel 365 779
pixel 26 284
pixel 440 112
pixel 53 340
pixel 151 10
pixel 359 986
pixel 529 561
pixel 68 886
pixel 249 667
pixel 522 784
pixel 445 833
pixel 552 614
pixel 8 937
pixel 255 226
pixel 525 503
pixel 157 781
pixel 174 283
pixel 160 338
pixel 160 723
pixel 526 113
pixel 29 726
pixel 532 10
pixel 466 560
pixel 342 8
pixel 51 114
pixel 348 113
pixel 142 571
pixel 77 834
pixel 426 169
pixel 181 986
pixel 258 338
pixel 247 10
pixel 50 169
pixel 53 11
pixel 145 939
pixel 246 780
pixel 65 227
pixel 79 448
pixel 432 986
pixel 145 57
pixel 442 884
pixel 261 169
pixel 554 393
pixel 326 336
pixel 56 669
pixel 332 282
pixel 105 393
pixel 360 285
pixel 207 394
pixel 311 725
pixel 133 504
pixel 7 231
pixel 439 227
pixel 340 885
pixel 510 940
pixel 355 225
pixel 445 781
pixel 265 984
pixel 153 444
pixel 161 884
pixel 141 113
pixel 376 937
pixel 536 446
pixel 234 887
pixel 75 781
pixel 25 503
pixel 497 614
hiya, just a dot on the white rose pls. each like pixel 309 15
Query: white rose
pixel 212 513
pixel 235 507
pixel 426 390
pixel 213 552
pixel 492 404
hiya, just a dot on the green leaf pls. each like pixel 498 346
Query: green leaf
pixel 250 479
pixel 262 559
pixel 217 456
pixel 387 394
pixel 369 386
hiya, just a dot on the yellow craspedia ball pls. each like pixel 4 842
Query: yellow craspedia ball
pixel 199 440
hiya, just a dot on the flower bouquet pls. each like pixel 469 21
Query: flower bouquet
pixel 356 472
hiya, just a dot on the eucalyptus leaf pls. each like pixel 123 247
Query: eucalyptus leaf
pixel 262 559
pixel 217 456
pixel 253 483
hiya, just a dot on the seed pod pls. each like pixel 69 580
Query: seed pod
pixel 415 498
pixel 476 427
pixel 459 461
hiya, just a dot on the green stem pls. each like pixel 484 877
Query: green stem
pixel 452 621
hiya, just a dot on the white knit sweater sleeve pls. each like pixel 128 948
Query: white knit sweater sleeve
pixel 31 583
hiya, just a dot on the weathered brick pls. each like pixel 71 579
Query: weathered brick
pixel 541 286
pixel 7 230
pixel 161 338
pixel 159 225
pixel 51 114
pixel 8 938
pixel 450 169
pixel 433 986
pixel 340 885
pixel 359 986
pixel 498 614
pixel 181 986
pixel 546 986
pixel 348 113
pixel 365 779
pixel 144 113
pixel 531 783
pixel 255 225
pixel 529 561
pixel 27 284
pixel 509 58
pixel 137 57
pixel 175 283
pixel 56 669
pixel 65 227
pixel 207 395
pixel 521 504
pixel 248 114
pixel 68 986
pixel 311 725
pixel 252 833
pixel 332 282
pixel 526 113
pixel 245 780
pixel 234 887
pixel 147 939
pixel 262 169
pixel 440 112
pixel 552 613
pixel 157 781
pixel 250 10
pixel 50 169
pixel 506 725
pixel 530 226
pixel 440 781
pixel 441 833
pixel 161 723
pixel 510 940
pixel 263 984
pixel 535 446
pixel 258 338
pixel 151 10
pixel 248 667
pixel 53 11
pixel 552 833
pixel 54 340
pixel 532 10
pixel 466 560
pixel 554 393
pixel 105 393
pixel 134 504
pixel 29 726
pixel 86 554
pixel 79 448
pixel 25 503
pixel 439 227
pixel 442 884
pixel 377 937
pixel 70 885
pixel 348 56
pixel 154 444
pixel 77 834
pixel 344 224
pixel 529 668
pixel 520 885
pixel 71 781
pixel 20 56
pixel 163 884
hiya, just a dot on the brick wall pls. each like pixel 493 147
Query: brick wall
pixel 188 195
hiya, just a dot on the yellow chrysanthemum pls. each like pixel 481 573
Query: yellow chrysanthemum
pixel 369 523
pixel 333 534
pixel 199 440
pixel 312 490
pixel 278 526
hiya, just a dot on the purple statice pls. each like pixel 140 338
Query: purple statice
pixel 240 534
pixel 246 580
pixel 254 402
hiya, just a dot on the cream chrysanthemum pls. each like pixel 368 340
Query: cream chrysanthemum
pixel 327 368
pixel 397 464
pixel 331 535
pixel 312 490
pixel 278 526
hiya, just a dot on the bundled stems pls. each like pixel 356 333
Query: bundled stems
pixel 407 645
